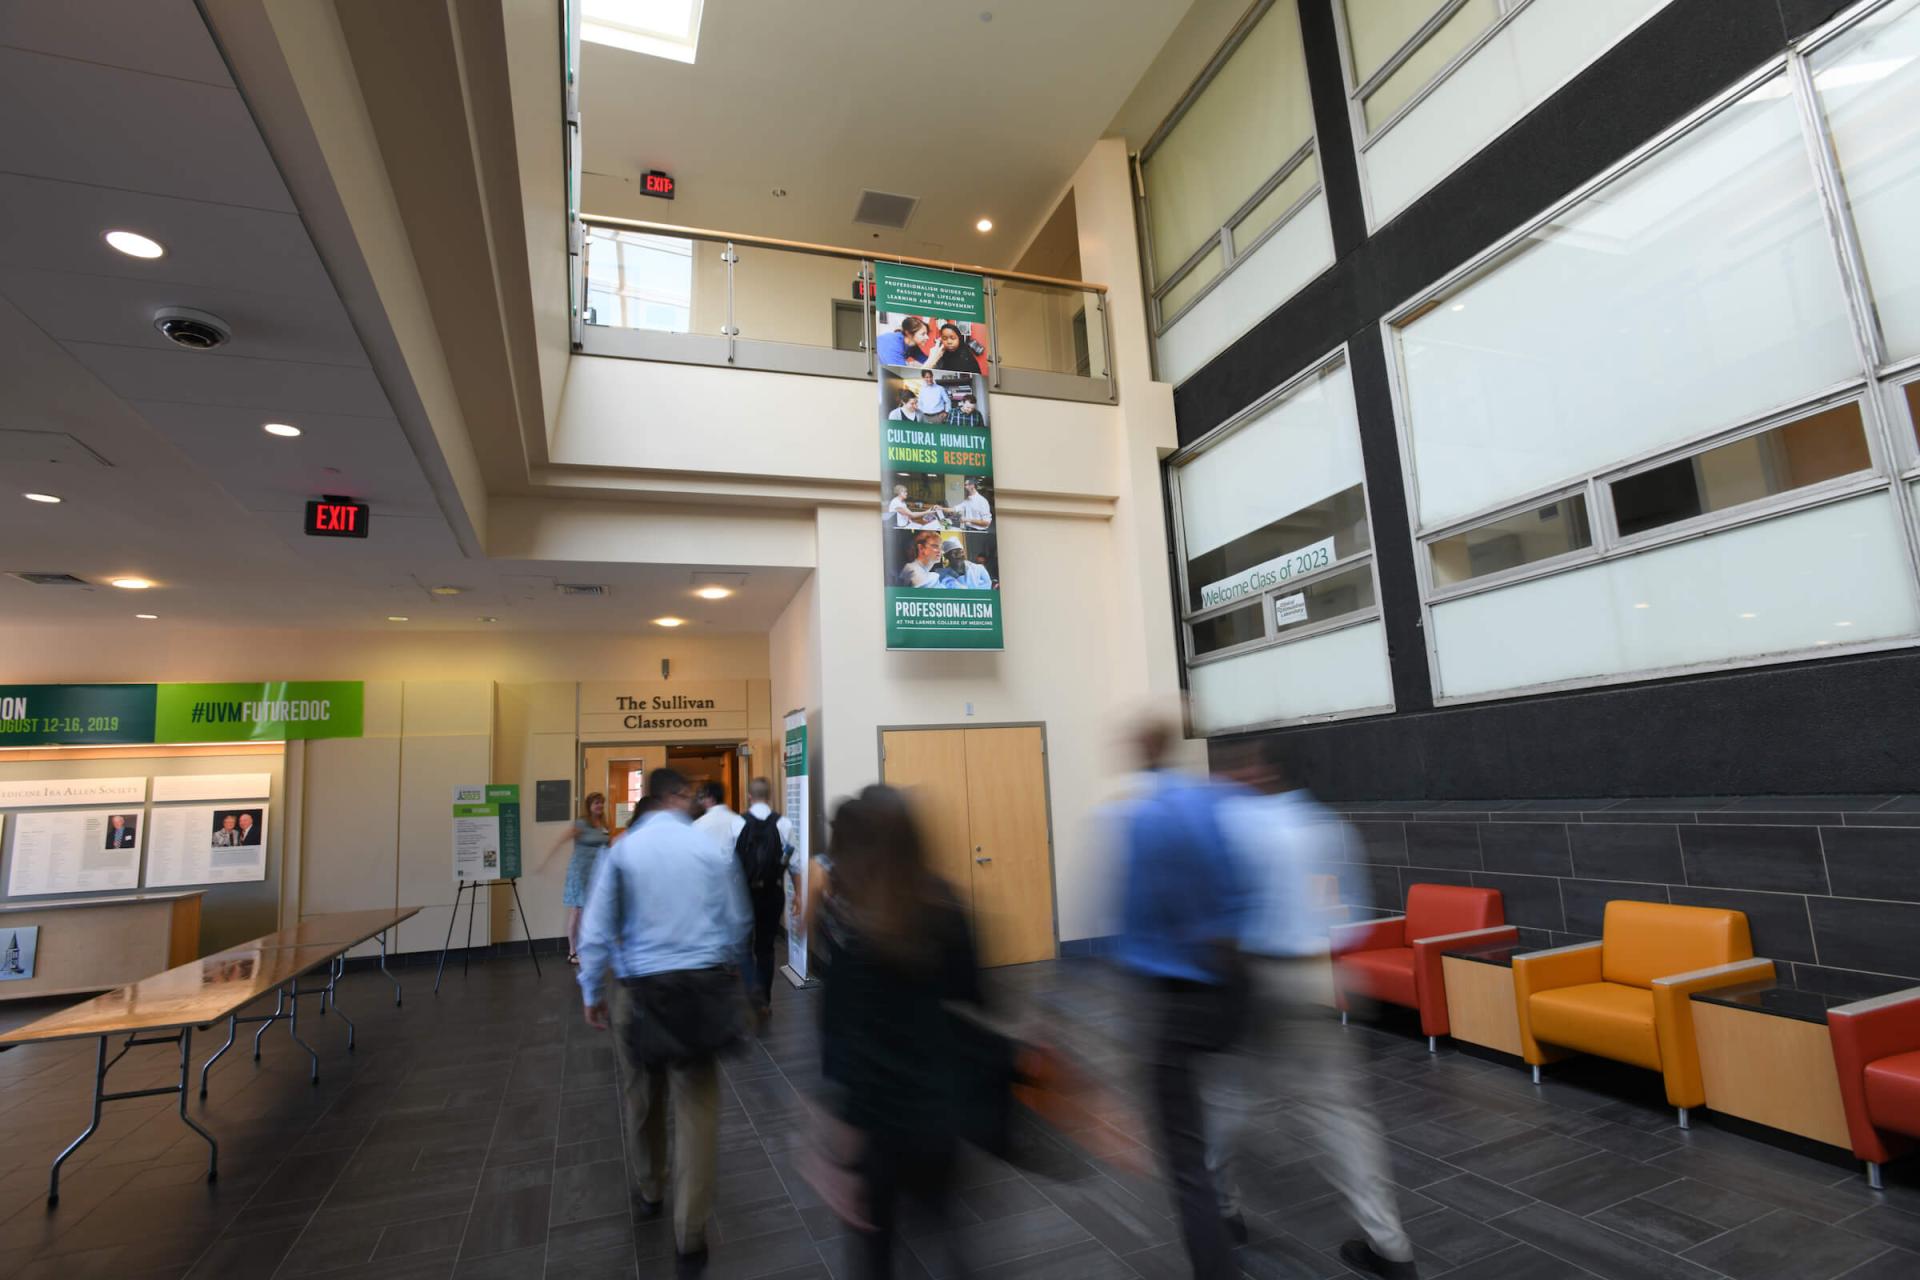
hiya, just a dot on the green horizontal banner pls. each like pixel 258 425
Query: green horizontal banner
pixel 919 618
pixel 74 715
pixel 925 291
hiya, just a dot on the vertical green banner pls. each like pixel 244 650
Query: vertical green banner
pixel 939 541
pixel 506 802
pixel 798 798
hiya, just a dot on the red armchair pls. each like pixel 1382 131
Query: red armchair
pixel 1876 1050
pixel 1397 960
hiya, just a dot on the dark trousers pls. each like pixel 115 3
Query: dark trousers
pixel 769 903
pixel 1190 1021
pixel 897 1169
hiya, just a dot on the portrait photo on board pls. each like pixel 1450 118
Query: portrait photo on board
pixel 123 831
pixel 933 397
pixel 238 828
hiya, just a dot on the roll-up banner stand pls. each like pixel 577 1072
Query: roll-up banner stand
pixel 798 811
pixel 940 547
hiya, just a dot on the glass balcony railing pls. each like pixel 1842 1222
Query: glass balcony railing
pixel 652 292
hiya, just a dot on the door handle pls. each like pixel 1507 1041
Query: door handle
pixel 983 861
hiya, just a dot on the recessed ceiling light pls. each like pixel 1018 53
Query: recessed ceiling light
pixel 1749 615
pixel 1458 306
pixel 40 497
pixel 985 224
pixel 1643 605
pixel 445 591
pixel 286 429
pixel 132 584
pixel 1843 624
pixel 133 244
pixel 714 593
pixel 669 622
pixel 398 617
pixel 147 617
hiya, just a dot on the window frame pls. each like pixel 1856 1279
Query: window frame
pixel 1222 238
pixel 1895 457
pixel 1271 637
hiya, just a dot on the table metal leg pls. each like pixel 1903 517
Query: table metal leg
pixel 279 1009
pixel 458 889
pixel 99 1091
pixel 233 1029
pixel 293 1028
pixel 186 1057
pixel 525 927
pixel 383 969
pixel 333 998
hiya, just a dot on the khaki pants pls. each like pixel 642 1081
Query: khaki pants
pixel 694 1092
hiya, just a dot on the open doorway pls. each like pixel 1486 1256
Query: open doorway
pixel 620 769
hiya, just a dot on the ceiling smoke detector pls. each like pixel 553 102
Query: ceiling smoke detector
pixel 884 209
pixel 194 330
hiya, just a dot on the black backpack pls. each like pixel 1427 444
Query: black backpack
pixel 760 851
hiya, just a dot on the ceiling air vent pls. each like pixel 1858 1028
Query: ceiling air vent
pixel 49 579
pixel 580 588
pixel 882 209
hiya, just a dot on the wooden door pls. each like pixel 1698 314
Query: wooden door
pixel 1012 859
pixel 932 764
pixel 981 798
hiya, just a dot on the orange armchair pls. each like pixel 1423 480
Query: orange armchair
pixel 1397 960
pixel 1876 1050
pixel 1628 997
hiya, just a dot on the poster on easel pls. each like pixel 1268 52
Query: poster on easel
pixel 798 814
pixel 486 833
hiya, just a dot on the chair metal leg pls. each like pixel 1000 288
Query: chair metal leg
pixel 1686 1121
pixel 1343 1017
pixel 1433 1044
pixel 1536 1074
pixel 233 1029
pixel 1873 1176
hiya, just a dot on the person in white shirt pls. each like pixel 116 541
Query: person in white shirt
pixel 763 842
pixel 716 822
pixel 919 571
pixel 975 511
pixel 934 401
pixel 1280 833
pixel 905 517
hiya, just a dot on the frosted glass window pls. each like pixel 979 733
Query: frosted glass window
pixel 1285 194
pixel 1299 452
pixel 1869 86
pixel 1377 28
pixel 1820 446
pixel 1237 133
pixel 1694 291
pixel 1426 62
pixel 1336 671
pixel 1525 537
pixel 1192 283
pixel 1826 576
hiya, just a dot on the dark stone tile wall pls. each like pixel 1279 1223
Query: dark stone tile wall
pixel 1830 884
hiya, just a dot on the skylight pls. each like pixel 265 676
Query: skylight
pixel 663 28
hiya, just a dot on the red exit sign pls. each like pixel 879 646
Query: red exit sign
pixel 656 183
pixel 336 518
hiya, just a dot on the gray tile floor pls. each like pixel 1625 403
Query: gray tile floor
pixel 475 1135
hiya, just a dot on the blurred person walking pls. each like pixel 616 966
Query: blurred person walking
pixel 666 914
pixel 1179 933
pixel 588 835
pixel 1280 834
pixel 897 949
pixel 763 846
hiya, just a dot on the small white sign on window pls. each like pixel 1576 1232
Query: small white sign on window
pixel 1288 610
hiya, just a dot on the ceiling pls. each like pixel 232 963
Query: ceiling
pixel 122 115
pixel 977 118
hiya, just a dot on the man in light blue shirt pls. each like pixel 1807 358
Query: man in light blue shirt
pixel 667 908
pixel 934 401
pixel 1281 837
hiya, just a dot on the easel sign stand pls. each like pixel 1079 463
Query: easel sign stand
pixel 466 960
pixel 486 854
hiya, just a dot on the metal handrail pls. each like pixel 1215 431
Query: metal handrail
pixel 828 251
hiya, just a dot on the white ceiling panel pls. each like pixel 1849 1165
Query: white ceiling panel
pixel 120 311
pixel 133 131
pixel 201 377
pixel 162 37
pixel 365 458
pixel 218 246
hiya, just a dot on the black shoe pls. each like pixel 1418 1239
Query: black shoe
pixel 1360 1255
pixel 691 1264
pixel 644 1207
pixel 1236 1227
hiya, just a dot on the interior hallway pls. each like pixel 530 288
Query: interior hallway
pixel 475 1135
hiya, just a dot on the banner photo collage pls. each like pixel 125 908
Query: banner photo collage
pixel 940 547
